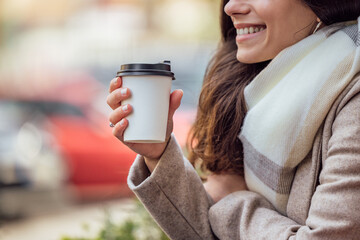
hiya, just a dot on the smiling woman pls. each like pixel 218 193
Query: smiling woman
pixel 277 130
pixel 283 23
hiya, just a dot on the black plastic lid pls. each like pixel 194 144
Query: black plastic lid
pixel 137 69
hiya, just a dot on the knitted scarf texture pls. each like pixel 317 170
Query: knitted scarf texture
pixel 288 101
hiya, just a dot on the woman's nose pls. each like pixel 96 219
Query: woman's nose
pixel 234 7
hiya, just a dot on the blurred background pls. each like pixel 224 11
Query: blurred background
pixel 60 166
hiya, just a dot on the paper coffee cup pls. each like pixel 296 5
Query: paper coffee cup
pixel 150 86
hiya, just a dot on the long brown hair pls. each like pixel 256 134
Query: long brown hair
pixel 221 109
pixel 333 11
pixel 213 139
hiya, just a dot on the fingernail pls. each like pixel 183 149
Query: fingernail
pixel 116 81
pixel 123 91
pixel 122 122
pixel 125 108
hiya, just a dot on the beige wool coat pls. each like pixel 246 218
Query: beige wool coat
pixel 324 201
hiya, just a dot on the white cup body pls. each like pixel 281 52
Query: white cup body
pixel 150 102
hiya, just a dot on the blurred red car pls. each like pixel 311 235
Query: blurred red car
pixel 96 163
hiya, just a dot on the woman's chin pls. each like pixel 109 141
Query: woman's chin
pixel 250 58
pixel 245 58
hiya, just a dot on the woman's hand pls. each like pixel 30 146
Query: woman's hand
pixel 219 186
pixel 151 151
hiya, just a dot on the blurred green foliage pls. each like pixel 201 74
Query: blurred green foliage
pixel 139 226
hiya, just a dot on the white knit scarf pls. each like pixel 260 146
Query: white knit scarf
pixel 288 101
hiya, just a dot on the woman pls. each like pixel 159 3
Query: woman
pixel 278 128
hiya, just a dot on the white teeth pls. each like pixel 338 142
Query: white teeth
pixel 249 30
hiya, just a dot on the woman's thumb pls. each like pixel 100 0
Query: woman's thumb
pixel 175 100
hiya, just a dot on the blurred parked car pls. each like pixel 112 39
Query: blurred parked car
pixel 31 169
pixel 50 151
pixel 89 154
pixel 63 151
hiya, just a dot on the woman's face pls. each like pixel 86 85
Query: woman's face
pixel 265 27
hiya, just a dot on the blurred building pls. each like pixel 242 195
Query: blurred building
pixel 44 39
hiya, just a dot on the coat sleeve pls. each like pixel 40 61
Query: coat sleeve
pixel 173 194
pixel 335 210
